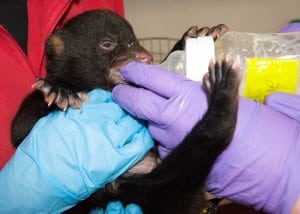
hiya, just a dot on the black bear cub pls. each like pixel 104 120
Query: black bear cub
pixel 86 54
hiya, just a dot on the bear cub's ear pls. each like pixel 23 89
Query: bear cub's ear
pixel 55 45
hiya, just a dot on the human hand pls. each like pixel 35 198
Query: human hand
pixel 69 155
pixel 263 151
pixel 170 103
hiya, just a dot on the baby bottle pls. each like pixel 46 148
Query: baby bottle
pixel 269 62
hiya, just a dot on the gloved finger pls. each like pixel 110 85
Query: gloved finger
pixel 163 151
pixel 290 27
pixel 137 148
pixel 115 207
pixel 139 102
pixel 154 78
pixel 133 209
pixel 122 129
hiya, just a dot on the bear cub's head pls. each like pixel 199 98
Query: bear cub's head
pixel 88 51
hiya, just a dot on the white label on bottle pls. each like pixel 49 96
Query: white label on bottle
pixel 199 52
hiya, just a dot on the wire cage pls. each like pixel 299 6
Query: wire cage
pixel 159 47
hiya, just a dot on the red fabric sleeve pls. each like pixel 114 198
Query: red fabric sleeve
pixel 17 72
pixel 15 83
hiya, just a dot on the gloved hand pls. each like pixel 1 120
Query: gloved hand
pixel 170 103
pixel 253 169
pixel 264 149
pixel 68 155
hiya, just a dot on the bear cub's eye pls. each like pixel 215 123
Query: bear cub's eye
pixel 108 44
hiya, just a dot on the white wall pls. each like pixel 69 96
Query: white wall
pixel 171 18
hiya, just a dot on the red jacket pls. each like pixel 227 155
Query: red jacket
pixel 17 71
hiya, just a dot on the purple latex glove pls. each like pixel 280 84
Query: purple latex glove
pixel 260 168
pixel 253 169
pixel 288 104
pixel 290 27
pixel 170 103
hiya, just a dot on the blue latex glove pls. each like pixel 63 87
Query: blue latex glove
pixel 171 103
pixel 67 156
pixel 260 166
pixel 116 207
